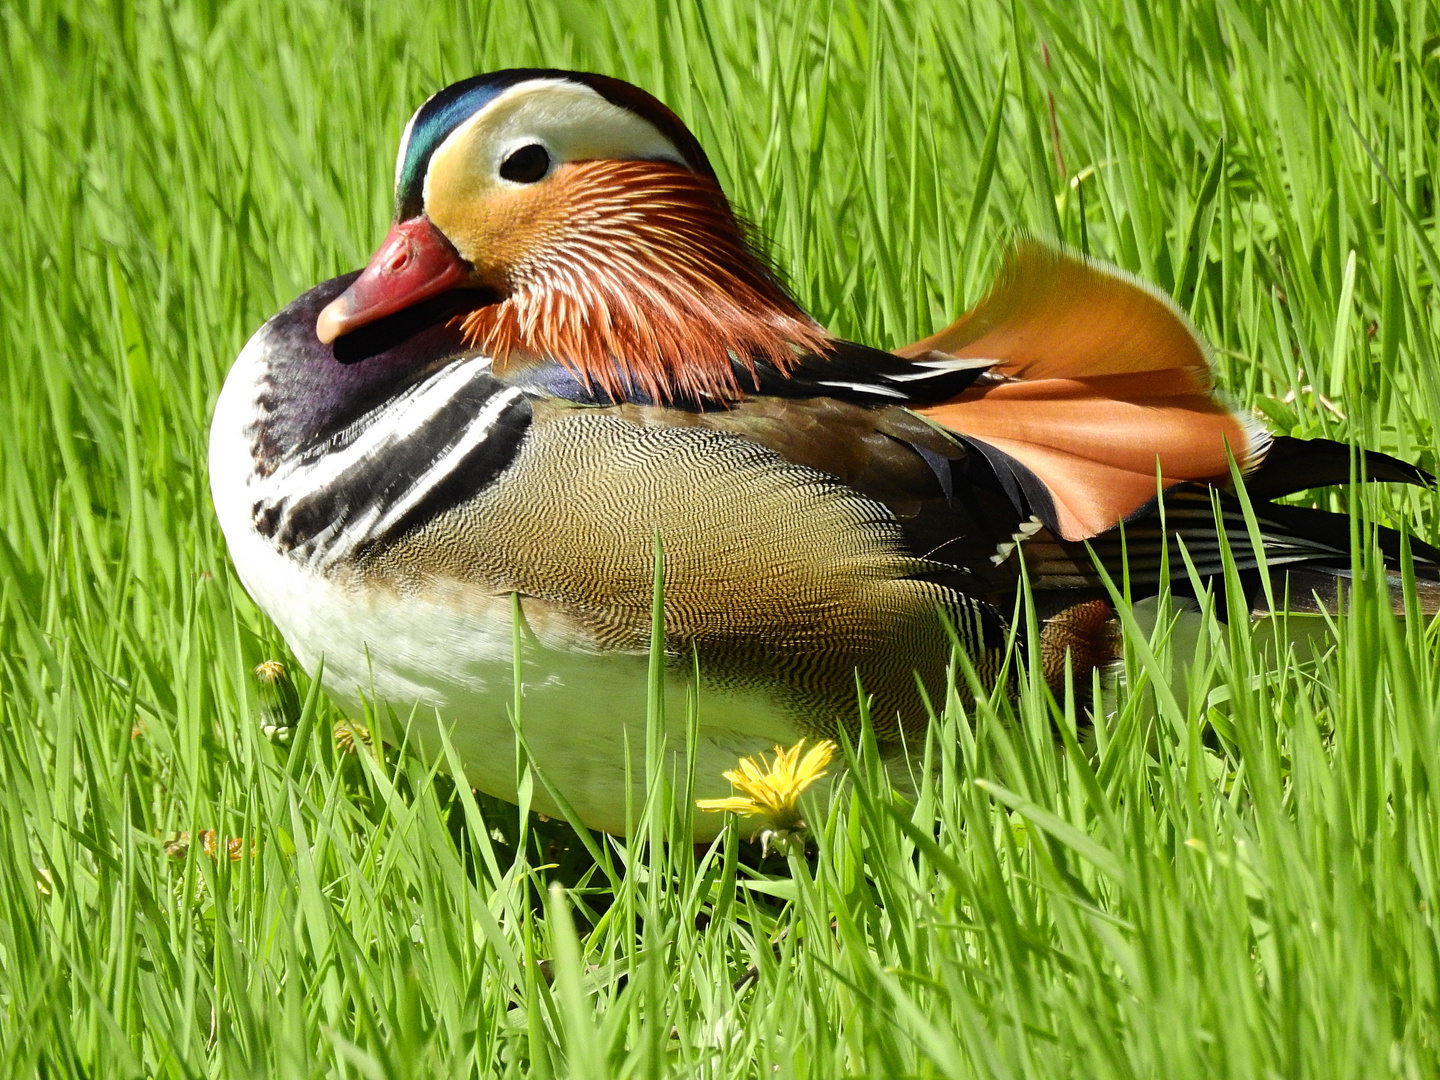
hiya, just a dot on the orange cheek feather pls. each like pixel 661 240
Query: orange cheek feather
pixel 635 275
pixel 502 234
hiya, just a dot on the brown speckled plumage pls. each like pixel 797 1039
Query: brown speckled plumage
pixel 777 576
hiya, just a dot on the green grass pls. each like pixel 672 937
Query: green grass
pixel 1235 878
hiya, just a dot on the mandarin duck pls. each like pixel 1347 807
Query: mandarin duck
pixel 567 352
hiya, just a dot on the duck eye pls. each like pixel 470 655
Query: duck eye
pixel 526 165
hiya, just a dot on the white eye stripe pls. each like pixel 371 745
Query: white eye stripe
pixel 569 119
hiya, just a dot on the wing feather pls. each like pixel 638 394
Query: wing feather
pixel 1099 386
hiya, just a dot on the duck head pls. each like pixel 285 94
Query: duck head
pixel 589 225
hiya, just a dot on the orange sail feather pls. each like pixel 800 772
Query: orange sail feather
pixel 1100 387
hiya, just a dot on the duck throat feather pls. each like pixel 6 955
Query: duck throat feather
pixel 648 288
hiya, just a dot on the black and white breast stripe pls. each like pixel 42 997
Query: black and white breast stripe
pixel 424 451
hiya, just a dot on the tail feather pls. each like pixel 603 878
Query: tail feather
pixel 1292 465
pixel 1306 552
pixel 1318 592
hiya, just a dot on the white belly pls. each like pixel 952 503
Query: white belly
pixel 582 714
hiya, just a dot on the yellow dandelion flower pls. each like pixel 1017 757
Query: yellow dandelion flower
pixel 772 790
pixel 270 672
pixel 348 734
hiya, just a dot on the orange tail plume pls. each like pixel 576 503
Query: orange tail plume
pixel 1098 381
